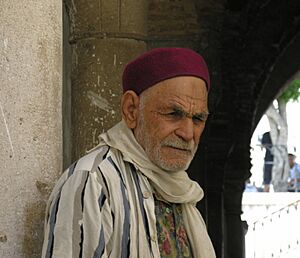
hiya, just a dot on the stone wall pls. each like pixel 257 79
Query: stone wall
pixel 30 120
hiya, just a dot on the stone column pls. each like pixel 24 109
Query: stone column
pixel 30 120
pixel 104 36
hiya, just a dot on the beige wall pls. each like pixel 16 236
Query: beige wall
pixel 30 119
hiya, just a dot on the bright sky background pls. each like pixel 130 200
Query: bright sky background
pixel 257 155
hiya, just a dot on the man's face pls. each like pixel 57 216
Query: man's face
pixel 291 161
pixel 171 119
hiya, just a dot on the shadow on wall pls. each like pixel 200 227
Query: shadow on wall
pixel 34 227
pixel 34 222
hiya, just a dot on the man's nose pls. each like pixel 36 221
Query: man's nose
pixel 185 129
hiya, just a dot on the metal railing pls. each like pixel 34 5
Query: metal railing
pixel 275 235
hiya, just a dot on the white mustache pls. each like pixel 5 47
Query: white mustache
pixel 179 144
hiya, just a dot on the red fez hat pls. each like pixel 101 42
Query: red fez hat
pixel 163 63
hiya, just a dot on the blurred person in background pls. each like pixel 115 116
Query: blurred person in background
pixel 294 177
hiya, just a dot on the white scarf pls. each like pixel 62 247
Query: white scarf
pixel 174 187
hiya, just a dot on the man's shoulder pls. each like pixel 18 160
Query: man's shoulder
pixel 92 159
pixel 87 163
pixel 81 169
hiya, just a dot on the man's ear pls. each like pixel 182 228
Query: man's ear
pixel 130 107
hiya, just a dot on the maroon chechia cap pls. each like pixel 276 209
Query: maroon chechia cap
pixel 163 63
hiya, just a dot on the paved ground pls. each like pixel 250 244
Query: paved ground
pixel 274 228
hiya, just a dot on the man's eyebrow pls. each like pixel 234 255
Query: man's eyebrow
pixel 201 113
pixel 181 109
pixel 177 108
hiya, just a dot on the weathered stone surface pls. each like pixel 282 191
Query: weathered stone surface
pixel 104 36
pixel 170 18
pixel 113 17
pixel 96 88
pixel 30 119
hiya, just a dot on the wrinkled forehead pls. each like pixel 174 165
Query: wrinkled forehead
pixel 182 92
pixel 183 86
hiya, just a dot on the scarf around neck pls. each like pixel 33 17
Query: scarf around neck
pixel 174 187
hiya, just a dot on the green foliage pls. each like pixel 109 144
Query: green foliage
pixel 292 92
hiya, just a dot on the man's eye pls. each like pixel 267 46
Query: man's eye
pixel 197 119
pixel 200 118
pixel 175 114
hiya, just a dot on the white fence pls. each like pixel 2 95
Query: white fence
pixel 274 225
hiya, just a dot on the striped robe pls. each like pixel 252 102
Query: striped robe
pixel 102 206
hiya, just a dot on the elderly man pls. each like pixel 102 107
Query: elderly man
pixel 130 196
